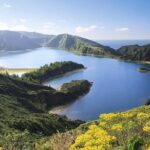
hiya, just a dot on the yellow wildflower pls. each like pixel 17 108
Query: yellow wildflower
pixel 148 148
pixel 95 138
pixel 102 124
pixel 142 116
pixel 127 115
pixel 117 127
pixel 146 128
pixel 109 116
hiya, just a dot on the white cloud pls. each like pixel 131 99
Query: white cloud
pixel 13 27
pixel 19 28
pixel 3 26
pixel 46 28
pixel 22 20
pixel 123 29
pixel 7 5
pixel 81 29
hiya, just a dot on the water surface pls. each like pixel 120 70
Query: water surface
pixel 117 85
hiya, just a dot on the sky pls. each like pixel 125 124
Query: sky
pixel 93 19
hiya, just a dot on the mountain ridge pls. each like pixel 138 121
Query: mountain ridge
pixel 61 41
pixel 13 40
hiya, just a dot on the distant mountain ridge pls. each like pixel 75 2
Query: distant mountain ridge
pixel 79 44
pixel 11 40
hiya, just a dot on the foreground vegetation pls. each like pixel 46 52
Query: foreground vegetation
pixel 24 106
pixel 127 130
pixel 114 131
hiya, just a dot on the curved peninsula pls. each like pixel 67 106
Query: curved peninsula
pixel 51 71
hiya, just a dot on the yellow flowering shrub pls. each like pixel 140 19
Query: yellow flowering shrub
pixel 117 127
pixel 102 124
pixel 127 115
pixel 95 138
pixel 142 116
pixel 148 148
pixel 117 130
pixel 109 116
pixel 146 128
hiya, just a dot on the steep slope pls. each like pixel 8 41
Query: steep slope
pixel 128 130
pixel 10 40
pixel 135 52
pixel 24 109
pixel 80 45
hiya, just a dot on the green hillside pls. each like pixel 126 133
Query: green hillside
pixel 135 52
pixel 80 45
pixel 24 107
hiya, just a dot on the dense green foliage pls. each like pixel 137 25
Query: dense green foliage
pixel 24 106
pixel 135 52
pixel 51 71
pixel 76 87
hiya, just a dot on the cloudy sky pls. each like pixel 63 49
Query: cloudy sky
pixel 94 19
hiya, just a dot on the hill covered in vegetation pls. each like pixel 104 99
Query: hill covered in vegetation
pixel 24 106
pixel 80 45
pixel 135 52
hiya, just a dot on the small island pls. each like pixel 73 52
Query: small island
pixel 76 88
pixel 142 69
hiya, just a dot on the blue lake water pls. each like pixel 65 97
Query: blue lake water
pixel 117 85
